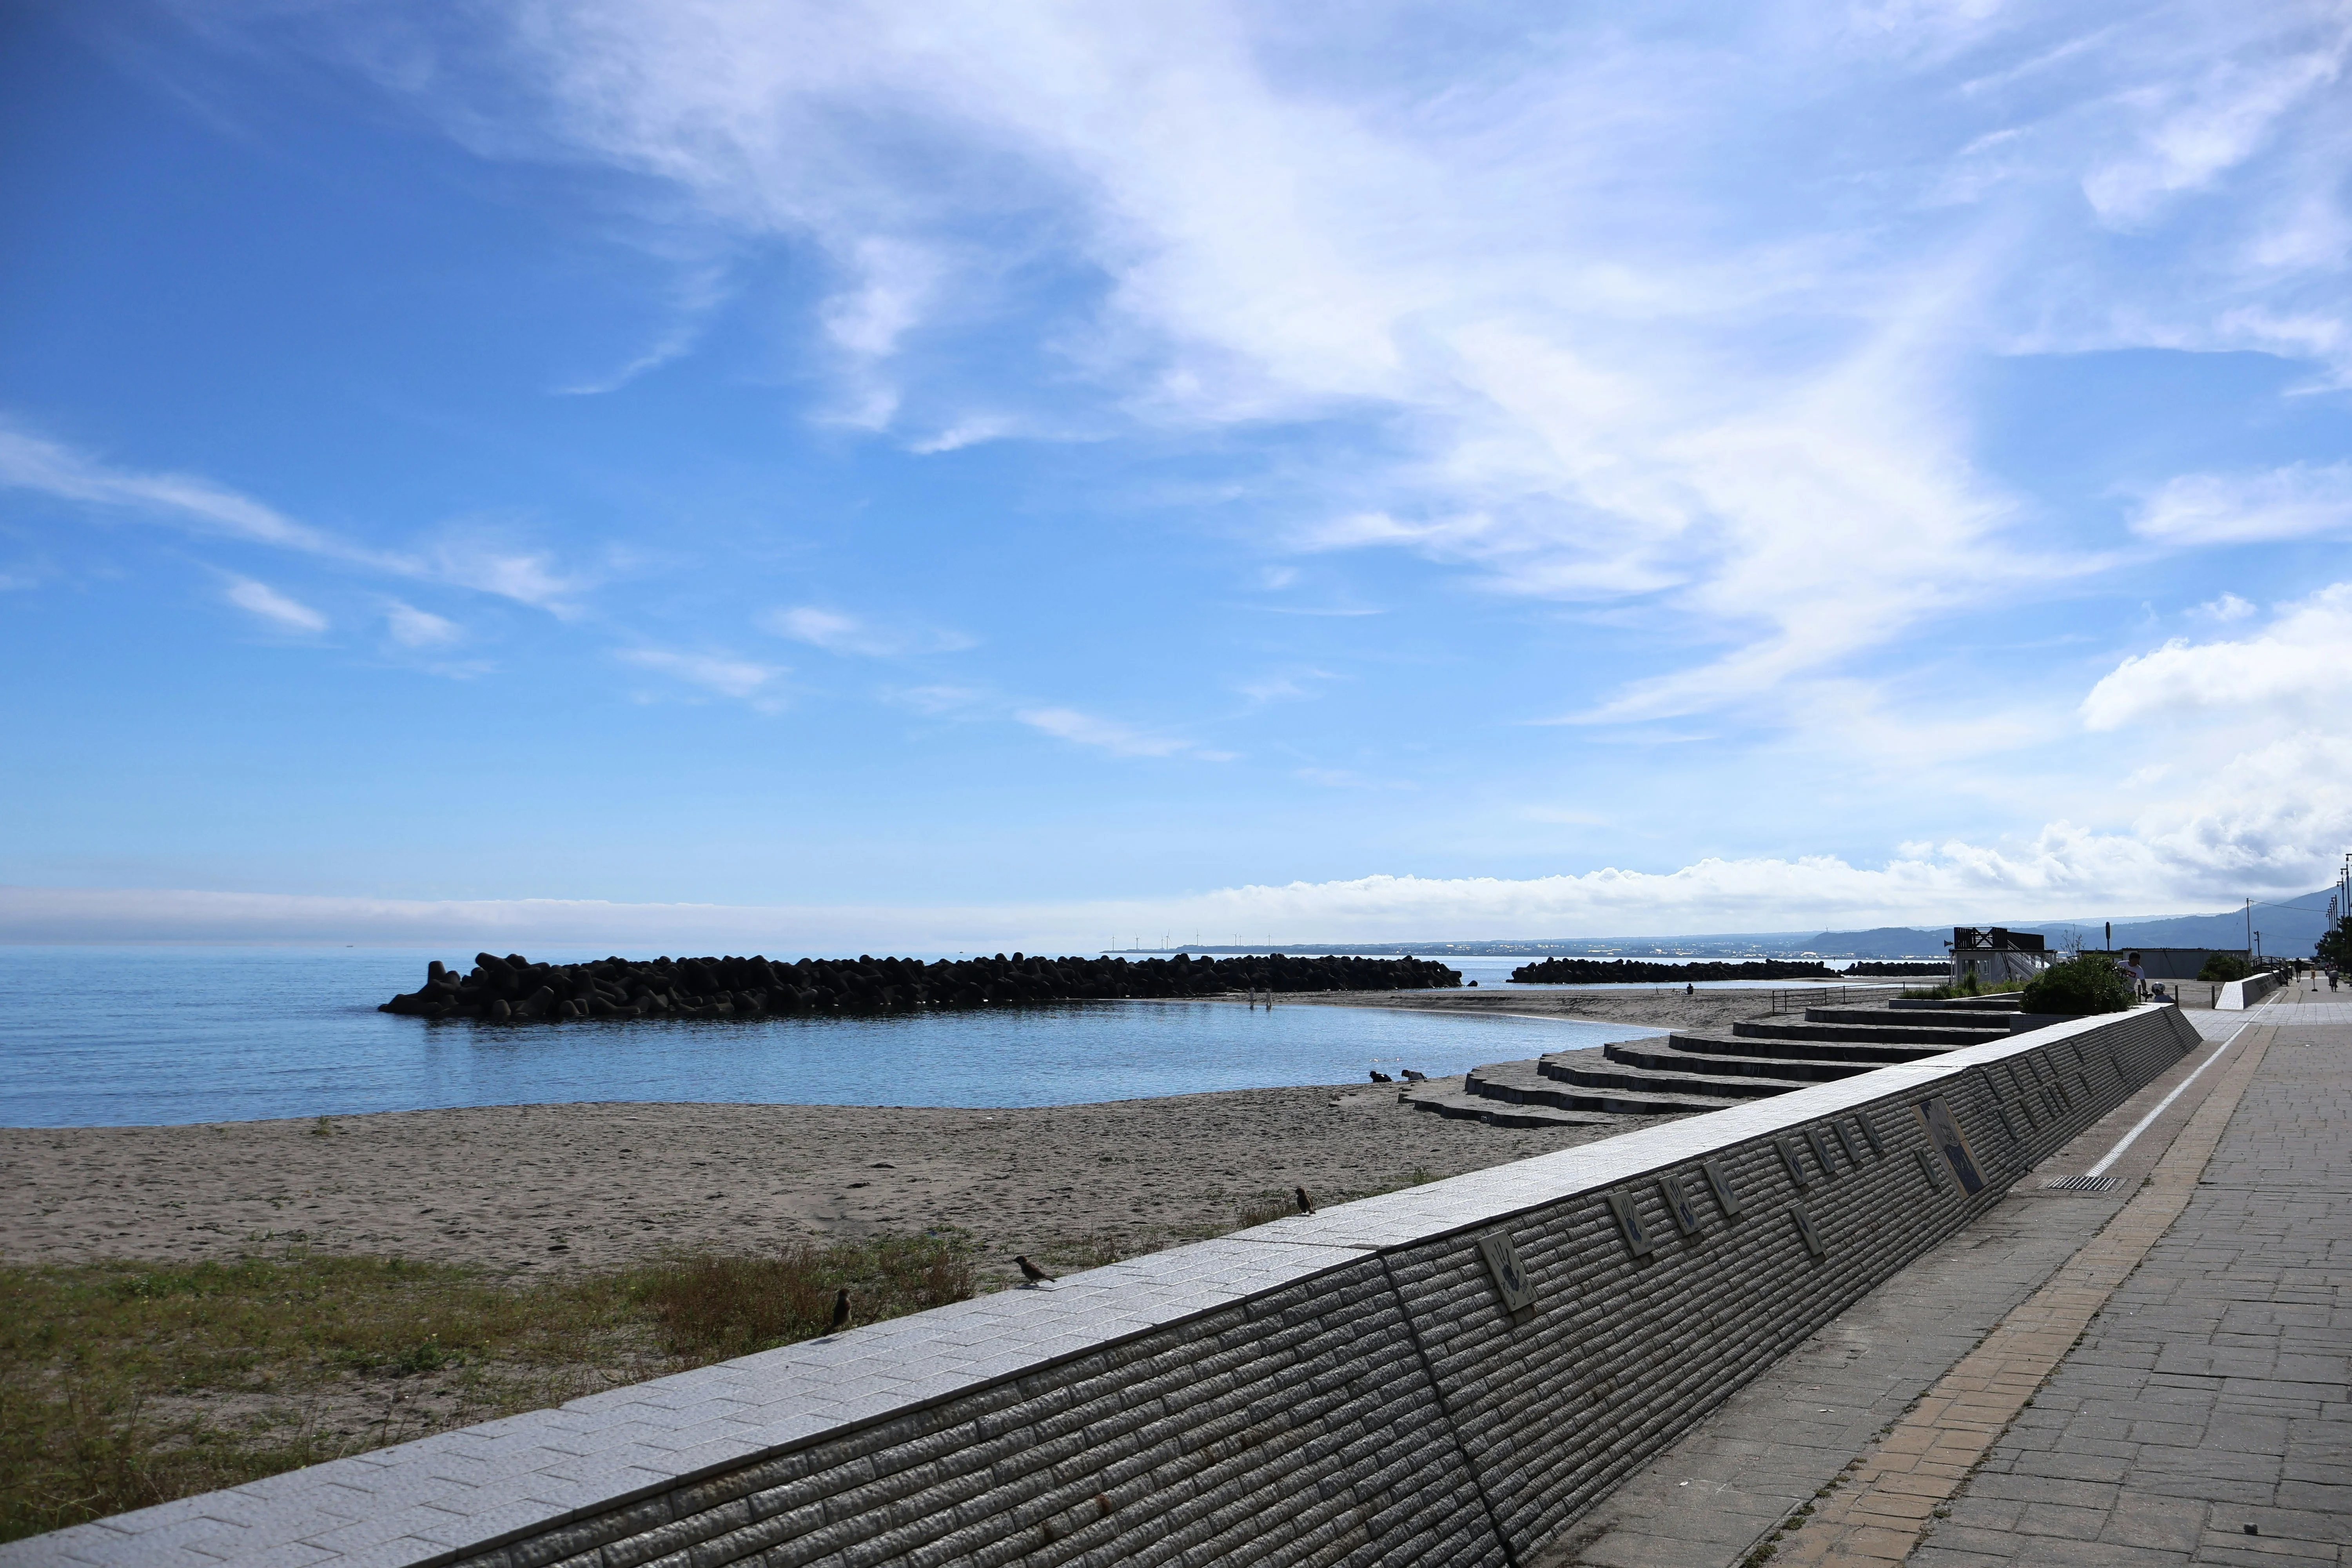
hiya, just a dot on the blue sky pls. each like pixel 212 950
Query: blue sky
pixel 920 474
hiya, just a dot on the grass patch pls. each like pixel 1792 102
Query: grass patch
pixel 1265 1208
pixel 709 1309
pixel 124 1384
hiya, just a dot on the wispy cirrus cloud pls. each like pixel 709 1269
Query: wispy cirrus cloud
pixel 1679 391
pixel 1110 735
pixel 2301 500
pixel 471 556
pixel 261 600
pixel 839 631
pixel 413 628
pixel 34 462
pixel 742 678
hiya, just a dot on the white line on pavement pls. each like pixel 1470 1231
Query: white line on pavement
pixel 2142 1124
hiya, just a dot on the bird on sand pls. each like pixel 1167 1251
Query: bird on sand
pixel 1031 1272
pixel 1380 1077
pixel 1306 1204
pixel 840 1312
pixel 1412 1076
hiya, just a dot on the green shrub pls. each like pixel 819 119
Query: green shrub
pixel 2087 984
pixel 2223 967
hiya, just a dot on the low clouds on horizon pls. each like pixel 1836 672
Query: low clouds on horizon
pixel 1670 322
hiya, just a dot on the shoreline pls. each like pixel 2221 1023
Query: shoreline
pixel 531 1189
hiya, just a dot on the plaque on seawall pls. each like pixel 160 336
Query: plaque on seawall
pixel 1820 1150
pixel 1944 1133
pixel 1849 1142
pixel 1719 1181
pixel 1931 1168
pixel 1503 1262
pixel 1638 1240
pixel 1805 1231
pixel 1678 1205
pixel 1869 1126
pixel 1796 1164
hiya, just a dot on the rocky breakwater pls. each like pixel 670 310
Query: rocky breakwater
pixel 515 990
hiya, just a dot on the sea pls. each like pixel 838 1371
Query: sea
pixel 150 1036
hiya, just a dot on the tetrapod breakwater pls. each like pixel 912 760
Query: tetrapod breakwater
pixel 513 989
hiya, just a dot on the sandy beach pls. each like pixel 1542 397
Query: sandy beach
pixel 537 1188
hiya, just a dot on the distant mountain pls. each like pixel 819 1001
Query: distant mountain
pixel 2288 928
pixel 1882 941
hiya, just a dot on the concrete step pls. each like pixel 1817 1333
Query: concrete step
pixel 2005 1003
pixel 1589 1072
pixel 1527 1084
pixel 1867 1034
pixel 1867 1053
pixel 1664 1056
pixel 1900 1018
pixel 1446 1098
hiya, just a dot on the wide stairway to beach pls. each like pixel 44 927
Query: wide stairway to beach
pixel 1707 1071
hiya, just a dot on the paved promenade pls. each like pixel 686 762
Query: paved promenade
pixel 2204 1418
pixel 2129 1376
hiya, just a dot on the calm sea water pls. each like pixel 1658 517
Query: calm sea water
pixel 114 1036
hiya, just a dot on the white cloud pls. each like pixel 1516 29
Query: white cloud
pixel 2228 607
pixel 525 575
pixel 961 702
pixel 2192 132
pixel 1299 684
pixel 735 678
pixel 969 431
pixel 2196 860
pixel 413 627
pixel 262 600
pixel 2301 500
pixel 701 289
pixel 838 631
pixel 473 560
pixel 37 463
pixel 1666 316
pixel 2300 665
pixel 1108 734
pixel 1661 387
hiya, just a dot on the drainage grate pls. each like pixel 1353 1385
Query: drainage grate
pixel 2084 1184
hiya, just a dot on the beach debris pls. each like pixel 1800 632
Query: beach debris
pixel 515 990
pixel 1306 1204
pixel 1031 1272
pixel 1380 1077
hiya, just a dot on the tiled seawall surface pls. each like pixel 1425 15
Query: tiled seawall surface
pixel 1347 1387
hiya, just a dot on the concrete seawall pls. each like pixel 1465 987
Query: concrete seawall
pixel 1448 1374
pixel 2240 994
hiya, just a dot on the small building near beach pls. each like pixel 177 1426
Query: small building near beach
pixel 1996 954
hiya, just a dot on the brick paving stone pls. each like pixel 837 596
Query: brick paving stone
pixel 2239 1417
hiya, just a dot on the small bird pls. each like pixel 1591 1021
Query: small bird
pixel 1380 1077
pixel 1306 1204
pixel 1031 1272
pixel 1412 1076
pixel 840 1312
